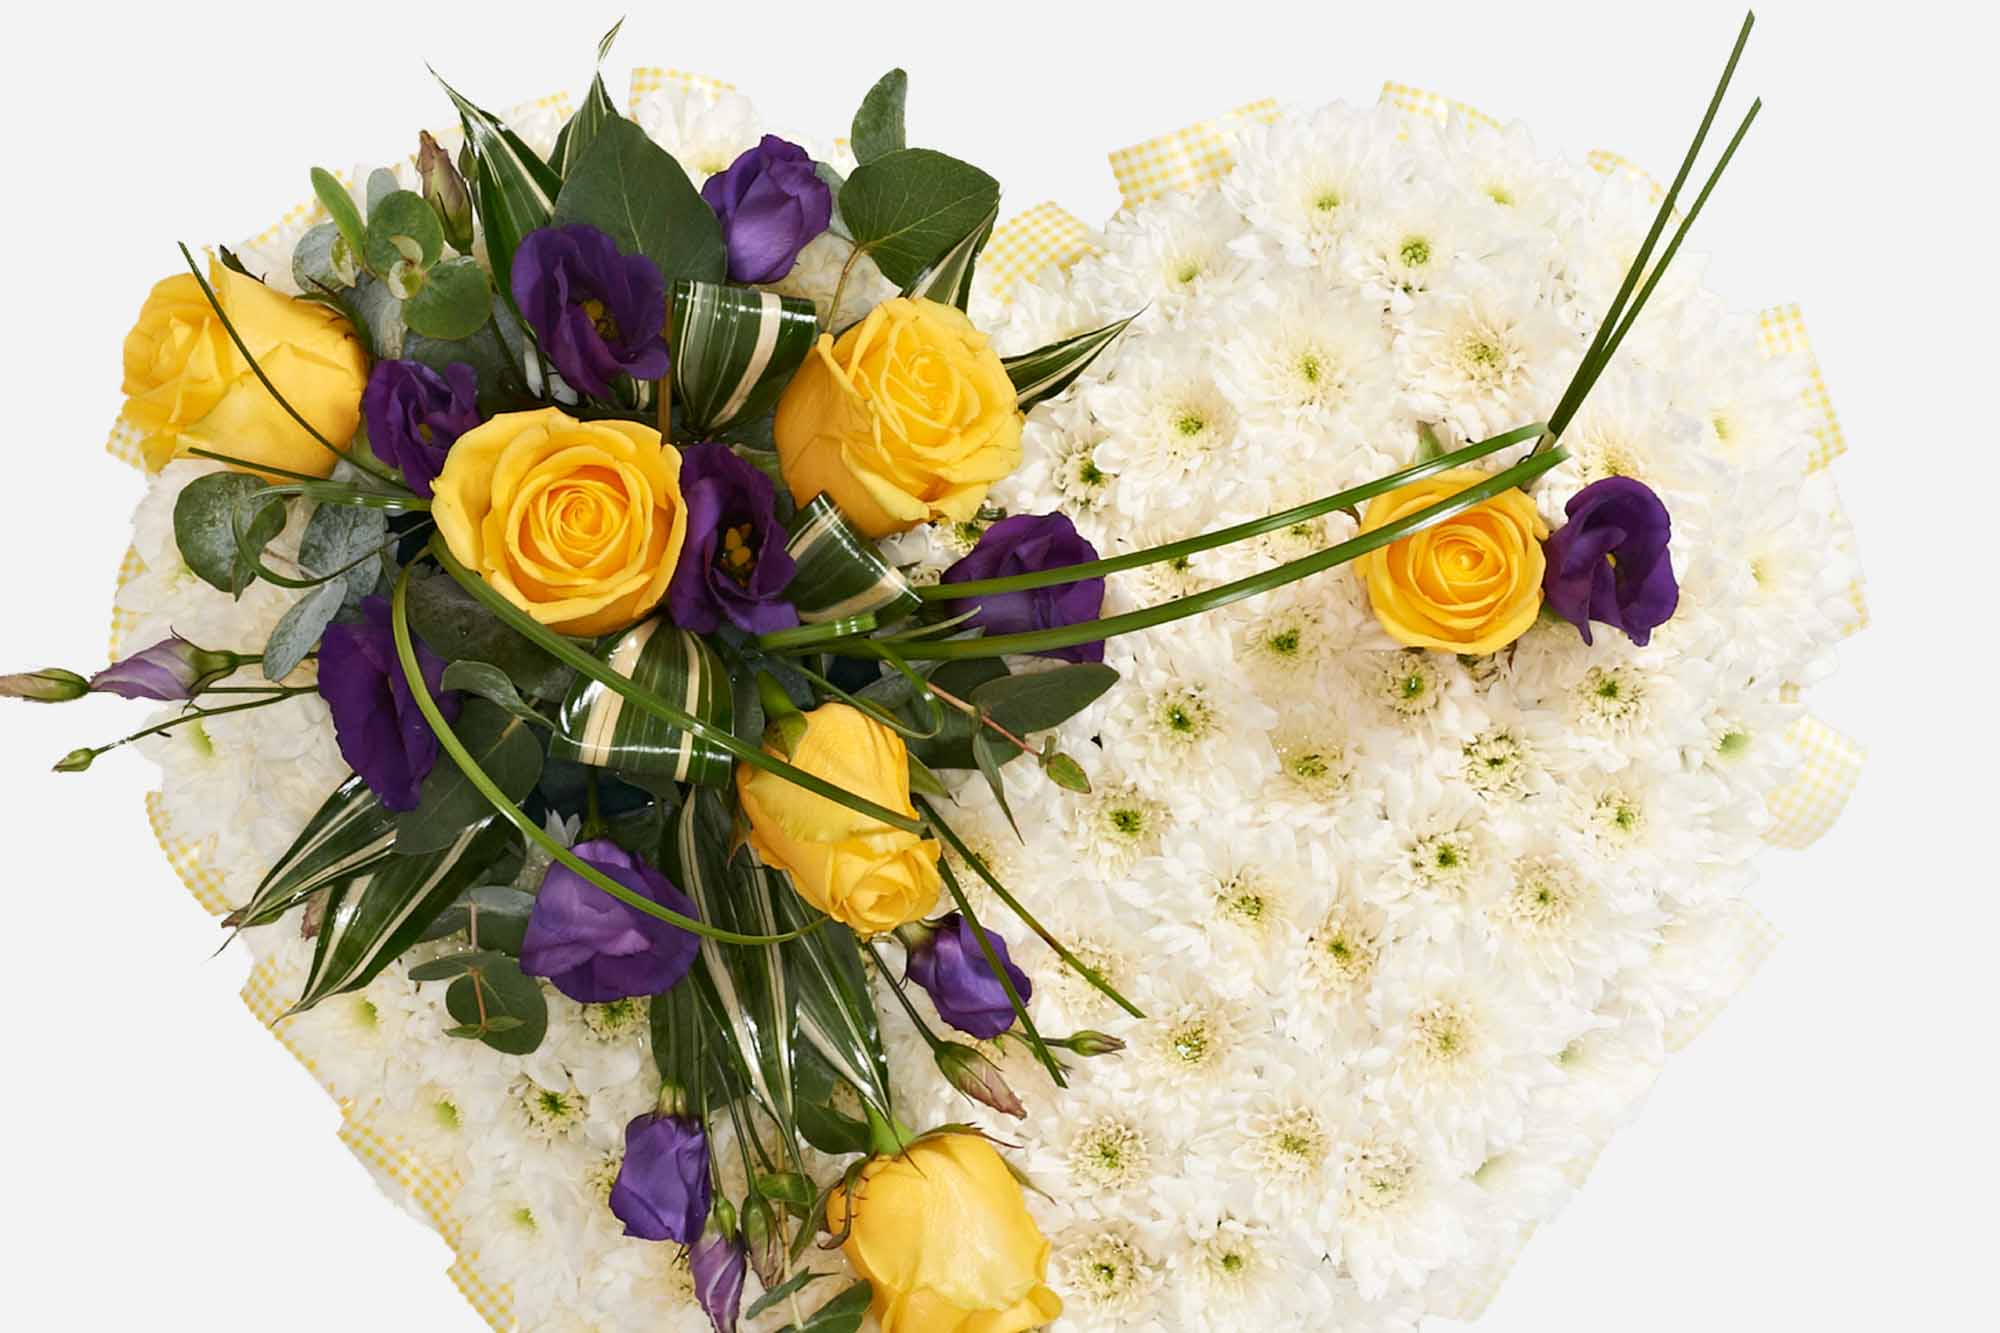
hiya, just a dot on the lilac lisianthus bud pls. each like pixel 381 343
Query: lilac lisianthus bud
pixel 733 563
pixel 383 735
pixel 597 949
pixel 171 670
pixel 978 1078
pixel 717 1262
pixel 52 685
pixel 1029 544
pixel 948 963
pixel 1610 562
pixel 77 760
pixel 771 203
pixel 444 189
pixel 1090 1042
pixel 764 1239
pixel 662 1189
pixel 415 415
pixel 596 313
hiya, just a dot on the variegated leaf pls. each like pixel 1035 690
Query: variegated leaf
pixel 597 726
pixel 370 920
pixel 350 835
pixel 1047 371
pixel 735 349
pixel 515 190
pixel 948 279
pixel 840 573
pixel 597 110
pixel 836 1010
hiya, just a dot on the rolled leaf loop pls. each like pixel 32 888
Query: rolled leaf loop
pixel 596 726
pixel 734 351
pixel 842 575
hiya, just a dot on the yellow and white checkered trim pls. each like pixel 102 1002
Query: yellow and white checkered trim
pixel 1752 939
pixel 1432 106
pixel 1830 766
pixel 122 620
pixel 658 79
pixel 190 860
pixel 1028 243
pixel 1607 163
pixel 1188 158
pixel 1781 331
pixel 425 1189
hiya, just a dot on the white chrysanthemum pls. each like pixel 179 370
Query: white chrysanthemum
pixel 705 129
pixel 1484 351
pixel 1305 182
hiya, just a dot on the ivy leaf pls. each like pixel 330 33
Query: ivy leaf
pixel 878 125
pixel 633 190
pixel 907 207
pixel 204 527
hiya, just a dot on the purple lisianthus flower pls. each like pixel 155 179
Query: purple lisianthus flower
pixel 734 561
pixel 382 735
pixel 1029 544
pixel 171 670
pixel 717 1263
pixel 947 962
pixel 771 203
pixel 596 313
pixel 415 415
pixel 594 947
pixel 1610 562
pixel 662 1189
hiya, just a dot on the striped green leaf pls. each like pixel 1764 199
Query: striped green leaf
pixel 1047 371
pixel 735 349
pixel 513 189
pixel 371 919
pixel 594 725
pixel 597 111
pixel 948 278
pixel 840 574
pixel 836 1010
pixel 350 835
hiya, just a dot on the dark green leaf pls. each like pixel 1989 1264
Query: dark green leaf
pixel 951 747
pixel 204 518
pixel 1065 772
pixel 348 836
pixel 402 228
pixel 456 628
pixel 783 1291
pixel 1040 699
pixel 338 535
pixel 878 125
pixel 923 780
pixel 908 207
pixel 492 684
pixel 631 189
pixel 504 746
pixel 948 279
pixel 734 351
pixel 824 1127
pixel 1045 372
pixel 836 1009
pixel 297 632
pixel 454 965
pixel 989 751
pixel 842 1314
pixel 504 1008
pixel 453 304
pixel 840 574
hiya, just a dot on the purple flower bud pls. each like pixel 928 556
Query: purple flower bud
pixel 1610 562
pixel 1090 1042
pixel 734 561
pixel 662 1189
pixel 596 313
pixel 444 189
pixel 978 1078
pixel 949 964
pixel 382 734
pixel 597 949
pixel 764 1240
pixel 171 670
pixel 52 685
pixel 1029 544
pixel 771 202
pixel 717 1263
pixel 415 415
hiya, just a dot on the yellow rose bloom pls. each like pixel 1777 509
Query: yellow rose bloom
pixel 857 870
pixel 908 417
pixel 578 523
pixel 944 1236
pixel 1471 584
pixel 187 386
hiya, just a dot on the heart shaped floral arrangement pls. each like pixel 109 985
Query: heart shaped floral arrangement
pixel 792 758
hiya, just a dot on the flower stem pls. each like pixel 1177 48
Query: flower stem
pixel 277 694
pixel 999 970
pixel 896 986
pixel 985 719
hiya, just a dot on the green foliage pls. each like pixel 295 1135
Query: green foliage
pixel 348 836
pixel 878 125
pixel 1045 372
pixel 456 627
pixel 504 746
pixel 631 189
pixel 454 302
pixel 496 1003
pixel 908 207
pixel 206 521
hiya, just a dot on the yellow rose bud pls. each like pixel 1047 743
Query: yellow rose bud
pixel 857 870
pixel 187 386
pixel 1471 584
pixel 578 523
pixel 908 417
pixel 944 1236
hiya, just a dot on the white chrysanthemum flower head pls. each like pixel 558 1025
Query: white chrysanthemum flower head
pixel 705 129
pixel 1484 351
pixel 1305 182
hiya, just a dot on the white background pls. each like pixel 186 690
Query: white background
pixel 1821 1159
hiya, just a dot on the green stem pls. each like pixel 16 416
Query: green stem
pixel 278 695
pixel 249 466
pixel 406 655
pixel 999 970
pixel 1028 919
pixel 1256 527
pixel 1093 631
pixel 896 986
pixel 566 652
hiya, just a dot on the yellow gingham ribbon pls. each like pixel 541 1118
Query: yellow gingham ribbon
pixel 1188 158
pixel 1607 163
pixel 1829 768
pixel 1781 331
pixel 1752 938
pixel 1428 105
pixel 1030 242
pixel 657 79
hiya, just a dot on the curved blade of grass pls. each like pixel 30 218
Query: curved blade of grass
pixel 999 970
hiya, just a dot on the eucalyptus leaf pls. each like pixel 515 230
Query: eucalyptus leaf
pixel 204 527
pixel 339 205
pixel 381 184
pixel 454 303
pixel 1039 700
pixel 456 627
pixel 402 226
pixel 634 191
pixel 502 1006
pixel 906 208
pixel 377 313
pixel 337 536
pixel 298 631
pixel 951 747
pixel 323 261
pixel 989 751
pixel 492 684
pixel 878 126
pixel 504 746
pixel 454 965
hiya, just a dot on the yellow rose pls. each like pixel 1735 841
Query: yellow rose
pixel 909 417
pixel 944 1236
pixel 857 870
pixel 578 523
pixel 1471 584
pixel 187 386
